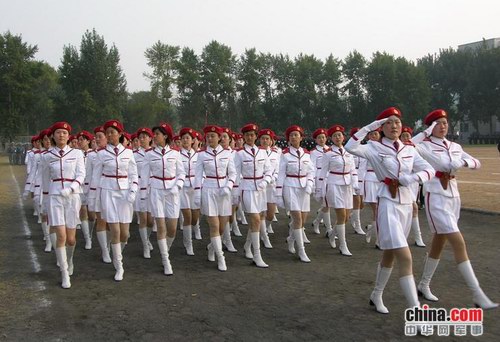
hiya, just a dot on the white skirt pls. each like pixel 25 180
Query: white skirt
pixel 164 204
pixel 393 223
pixel 94 204
pixel 338 196
pixel 114 206
pixel 187 199
pixel 141 201
pixel 442 213
pixel 64 211
pixel 213 204
pixel 253 202
pixel 370 191
pixel 296 199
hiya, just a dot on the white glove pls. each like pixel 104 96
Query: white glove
pixel 65 192
pixel 309 188
pixel 197 199
pixel 355 186
pixel 375 124
pixel 174 190
pixel 131 196
pixel 225 191
pixel 262 185
pixel 428 130
pixel 26 195
pixel 456 164
pixel 406 180
pixel 279 201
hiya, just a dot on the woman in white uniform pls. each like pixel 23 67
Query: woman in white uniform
pixel 214 179
pixel 405 137
pixel 266 140
pixel 115 172
pixel 84 139
pixel 397 166
pixel 323 214
pixel 63 171
pixel 294 188
pixel 442 204
pixel 144 136
pixel 190 212
pixel 336 181
pixel 163 172
pixel 357 198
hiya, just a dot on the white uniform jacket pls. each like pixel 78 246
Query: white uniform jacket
pixel 252 167
pixel 440 153
pixel 62 168
pixel 189 159
pixel 214 168
pixel 31 164
pixel 296 169
pixel 338 168
pixel 114 169
pixel 274 155
pixel 316 157
pixel 390 163
pixel 162 169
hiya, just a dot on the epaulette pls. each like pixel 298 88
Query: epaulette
pixel 274 149
pixel 238 149
pixel 149 149
pixel 101 148
pixel 286 150
pixel 203 149
pixel 175 148
pixel 409 143
pixel 307 152
pixel 262 148
pixel 227 149
pixel 128 147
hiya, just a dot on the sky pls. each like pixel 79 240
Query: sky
pixel 408 28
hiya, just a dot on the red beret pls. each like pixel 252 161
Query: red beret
pixel 133 136
pixel 87 135
pixel 212 128
pixel 226 130
pixel 294 128
pixel 250 127
pixel 239 136
pixel 145 130
pixel 34 138
pixel 99 129
pixel 267 131
pixel 234 136
pixel 45 132
pixel 176 137
pixel 188 130
pixel 127 135
pixel 166 129
pixel 318 132
pixel 434 115
pixel 407 129
pixel 389 112
pixel 353 131
pixel 115 124
pixel 61 125
pixel 198 135
pixel 334 129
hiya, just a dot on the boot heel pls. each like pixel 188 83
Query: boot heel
pixel 372 303
pixel 420 294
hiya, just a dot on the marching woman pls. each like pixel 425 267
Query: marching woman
pixel 163 172
pixel 397 166
pixel 266 140
pixel 442 204
pixel 225 142
pixel 336 180
pixel 63 170
pixel 357 198
pixel 235 201
pixel 214 179
pixel 94 195
pixel 294 188
pixel 415 224
pixel 317 154
pixel 190 212
pixel 197 145
pixel 84 139
pixel 254 173
pixel 144 136
pixel 115 173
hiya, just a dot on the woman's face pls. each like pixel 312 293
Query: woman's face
pixel 392 127
pixel 144 140
pixel 159 138
pixel 265 141
pixel 100 139
pixel 374 136
pixel 405 136
pixel 338 138
pixel 186 141
pixel 46 142
pixel 441 128
pixel 83 143
pixel 212 139
pixel 225 139
pixel 250 137
pixel 321 140
pixel 295 138
pixel 113 136
pixel 61 137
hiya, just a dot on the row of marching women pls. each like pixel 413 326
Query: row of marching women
pixel 168 177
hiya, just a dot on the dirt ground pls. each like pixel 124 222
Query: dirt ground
pixel 291 301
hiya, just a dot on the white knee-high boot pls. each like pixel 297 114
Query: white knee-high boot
pixel 146 252
pixel 290 240
pixel 226 239
pixel 86 234
pixel 343 242
pixel 317 221
pixel 217 245
pixel 187 239
pixel 415 227
pixel 70 251
pixel 165 260
pixel 269 227
pixel 409 288
pixel 327 220
pixel 63 266
pixel 234 226
pixel 383 275
pixel 46 235
pixel 118 261
pixel 304 236
pixel 301 251
pixel 356 222
pixel 257 258
pixel 263 234
pixel 478 296
pixel 103 243
pixel 248 245
pixel 424 284
pixel 197 230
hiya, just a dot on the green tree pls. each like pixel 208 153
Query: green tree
pixel 353 90
pixel 162 58
pixel 332 108
pixel 249 89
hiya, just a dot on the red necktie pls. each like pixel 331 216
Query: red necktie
pixel 445 144
pixel 116 150
pixel 396 145
pixel 61 153
pixel 253 151
pixel 341 150
pixel 162 151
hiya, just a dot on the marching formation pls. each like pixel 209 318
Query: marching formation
pixel 98 181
